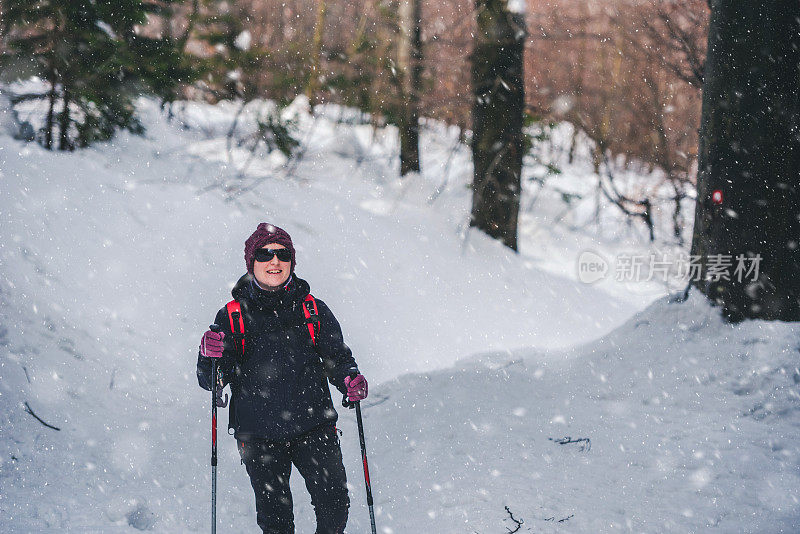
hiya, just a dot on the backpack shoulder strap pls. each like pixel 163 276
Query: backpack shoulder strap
pixel 312 317
pixel 237 322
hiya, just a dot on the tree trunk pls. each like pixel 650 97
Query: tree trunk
pixel 313 78
pixel 64 121
pixel 749 151
pixel 497 142
pixel 410 63
pixel 50 118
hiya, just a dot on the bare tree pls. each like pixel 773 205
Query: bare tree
pixel 621 73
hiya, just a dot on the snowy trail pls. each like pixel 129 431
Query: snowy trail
pixel 113 261
pixel 113 264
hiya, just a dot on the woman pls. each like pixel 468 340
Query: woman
pixel 281 409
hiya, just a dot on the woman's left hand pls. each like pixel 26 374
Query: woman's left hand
pixel 356 388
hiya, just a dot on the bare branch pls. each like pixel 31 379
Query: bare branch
pixel 516 521
pixel 586 447
pixel 30 411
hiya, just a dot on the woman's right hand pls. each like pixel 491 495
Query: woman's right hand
pixel 211 344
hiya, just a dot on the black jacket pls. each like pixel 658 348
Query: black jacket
pixel 279 386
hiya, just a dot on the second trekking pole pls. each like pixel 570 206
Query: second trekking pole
pixel 214 379
pixel 357 405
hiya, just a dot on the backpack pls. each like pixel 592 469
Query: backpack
pixel 237 321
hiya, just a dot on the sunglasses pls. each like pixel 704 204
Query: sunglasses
pixel 265 254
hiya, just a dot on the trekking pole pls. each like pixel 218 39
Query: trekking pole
pixel 214 328
pixel 357 405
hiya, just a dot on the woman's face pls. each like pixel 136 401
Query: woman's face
pixel 272 274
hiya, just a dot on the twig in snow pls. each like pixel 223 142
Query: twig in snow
pixel 516 521
pixel 446 172
pixel 560 520
pixel 26 374
pixel 641 208
pixel 587 443
pixel 232 131
pixel 28 409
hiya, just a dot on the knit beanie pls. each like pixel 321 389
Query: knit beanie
pixel 266 234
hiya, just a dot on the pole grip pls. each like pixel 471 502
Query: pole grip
pixel 345 402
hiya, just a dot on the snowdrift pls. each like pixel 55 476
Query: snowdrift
pixel 675 422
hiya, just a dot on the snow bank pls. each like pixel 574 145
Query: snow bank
pixel 675 422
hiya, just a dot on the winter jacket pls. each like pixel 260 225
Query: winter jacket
pixel 279 386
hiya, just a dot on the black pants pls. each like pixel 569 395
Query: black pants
pixel 318 457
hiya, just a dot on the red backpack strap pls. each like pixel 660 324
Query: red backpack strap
pixel 237 322
pixel 312 317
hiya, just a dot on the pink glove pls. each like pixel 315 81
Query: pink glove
pixel 356 388
pixel 211 344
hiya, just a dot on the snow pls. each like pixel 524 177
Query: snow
pixel 684 436
pixel 517 6
pixel 115 259
pixel 243 40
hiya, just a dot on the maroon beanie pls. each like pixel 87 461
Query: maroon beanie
pixel 266 234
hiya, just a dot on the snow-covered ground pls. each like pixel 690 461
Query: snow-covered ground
pixel 691 424
pixel 114 259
